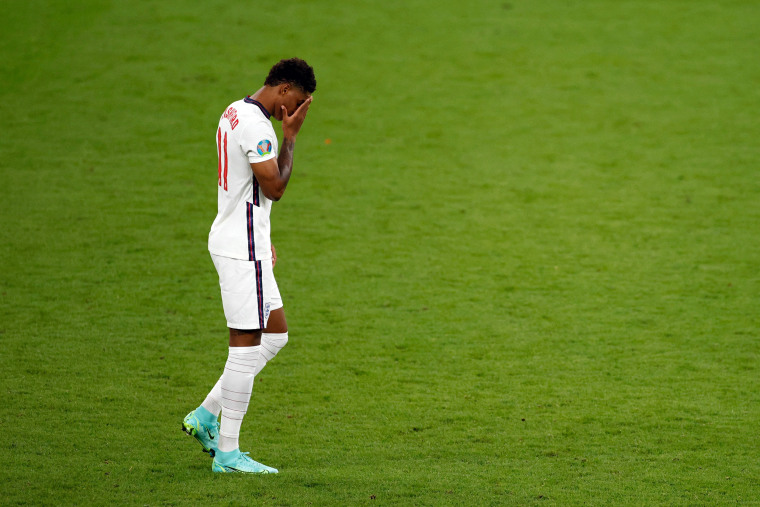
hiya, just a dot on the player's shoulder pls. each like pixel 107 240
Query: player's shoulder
pixel 254 120
pixel 247 118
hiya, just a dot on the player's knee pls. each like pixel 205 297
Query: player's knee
pixel 272 343
pixel 279 339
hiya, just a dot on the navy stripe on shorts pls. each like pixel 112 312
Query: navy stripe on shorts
pixel 251 245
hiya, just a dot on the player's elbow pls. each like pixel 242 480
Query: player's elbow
pixel 274 194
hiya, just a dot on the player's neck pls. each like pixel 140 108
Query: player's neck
pixel 266 97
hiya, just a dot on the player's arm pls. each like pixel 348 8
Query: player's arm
pixel 274 174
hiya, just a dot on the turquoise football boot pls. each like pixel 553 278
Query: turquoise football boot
pixel 206 433
pixel 239 462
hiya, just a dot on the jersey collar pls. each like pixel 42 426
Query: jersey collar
pixel 249 100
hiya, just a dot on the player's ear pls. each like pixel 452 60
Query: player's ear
pixel 284 88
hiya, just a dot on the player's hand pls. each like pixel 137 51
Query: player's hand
pixel 274 256
pixel 291 124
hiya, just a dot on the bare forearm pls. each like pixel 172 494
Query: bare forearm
pixel 285 159
pixel 276 187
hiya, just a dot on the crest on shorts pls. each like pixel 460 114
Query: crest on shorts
pixel 264 147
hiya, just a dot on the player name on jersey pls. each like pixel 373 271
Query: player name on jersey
pixel 231 115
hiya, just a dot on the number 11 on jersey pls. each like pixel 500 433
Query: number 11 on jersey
pixel 219 148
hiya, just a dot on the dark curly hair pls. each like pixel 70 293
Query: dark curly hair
pixel 293 71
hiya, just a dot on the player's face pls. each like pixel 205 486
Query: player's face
pixel 291 97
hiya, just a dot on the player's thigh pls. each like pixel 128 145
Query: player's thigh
pixel 277 322
pixel 241 289
pixel 273 308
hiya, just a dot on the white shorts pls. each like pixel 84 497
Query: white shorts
pixel 249 291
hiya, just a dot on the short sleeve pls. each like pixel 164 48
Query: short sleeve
pixel 257 141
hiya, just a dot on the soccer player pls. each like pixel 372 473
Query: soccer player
pixel 250 177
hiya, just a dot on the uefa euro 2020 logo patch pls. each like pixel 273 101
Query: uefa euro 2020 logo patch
pixel 264 147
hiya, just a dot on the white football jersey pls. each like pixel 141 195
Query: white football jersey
pixel 241 228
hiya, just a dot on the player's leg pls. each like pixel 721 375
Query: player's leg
pixel 275 335
pixel 244 308
pixel 231 391
pixel 269 342
pixel 213 402
pixel 212 405
pixel 277 322
pixel 242 298
pixel 237 386
pixel 274 338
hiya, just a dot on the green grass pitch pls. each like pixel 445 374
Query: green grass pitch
pixel 520 252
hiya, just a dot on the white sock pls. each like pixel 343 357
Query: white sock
pixel 236 387
pixel 213 402
pixel 271 344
